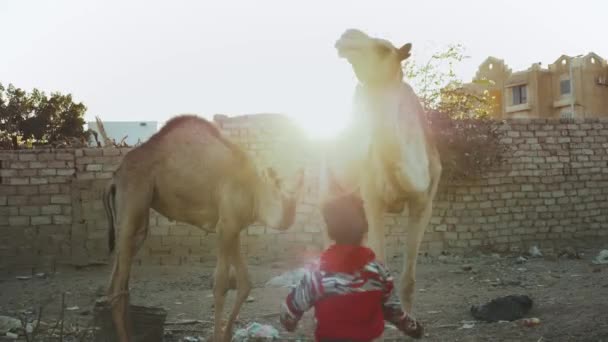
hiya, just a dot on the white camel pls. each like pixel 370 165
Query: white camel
pixel 388 154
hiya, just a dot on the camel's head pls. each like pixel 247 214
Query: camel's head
pixel 277 199
pixel 375 61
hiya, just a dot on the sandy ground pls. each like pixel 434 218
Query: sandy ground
pixel 570 297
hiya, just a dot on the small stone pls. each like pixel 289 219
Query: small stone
pixel 570 253
pixel 250 299
pixel 467 267
pixel 521 260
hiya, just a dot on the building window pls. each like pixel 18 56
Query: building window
pixel 592 60
pixel 491 66
pixel 520 94
pixel 564 87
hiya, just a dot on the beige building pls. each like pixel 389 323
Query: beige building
pixel 570 87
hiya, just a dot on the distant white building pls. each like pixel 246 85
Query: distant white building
pixel 135 131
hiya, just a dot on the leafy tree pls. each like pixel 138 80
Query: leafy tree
pixel 460 118
pixel 35 118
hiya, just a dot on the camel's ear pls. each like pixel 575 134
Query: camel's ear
pixel 404 51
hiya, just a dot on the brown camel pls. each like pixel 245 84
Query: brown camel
pixel 190 173
pixel 388 154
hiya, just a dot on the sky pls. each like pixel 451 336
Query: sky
pixel 149 60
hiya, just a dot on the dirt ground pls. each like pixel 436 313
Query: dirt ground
pixel 570 297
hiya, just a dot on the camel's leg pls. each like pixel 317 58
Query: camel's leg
pixel 132 232
pixel 222 269
pixel 420 212
pixel 374 211
pixel 243 284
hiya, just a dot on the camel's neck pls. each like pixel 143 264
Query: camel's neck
pixel 268 206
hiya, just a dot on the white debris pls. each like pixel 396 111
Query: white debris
pixel 72 308
pixel 255 332
pixel 287 279
pixel 11 336
pixel 535 252
pixel 9 323
pixel 602 257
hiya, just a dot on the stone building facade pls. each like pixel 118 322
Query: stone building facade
pixel 571 87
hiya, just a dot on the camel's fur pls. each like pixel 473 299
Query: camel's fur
pixel 189 172
pixel 388 154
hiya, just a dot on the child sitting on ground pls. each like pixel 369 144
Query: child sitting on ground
pixel 350 290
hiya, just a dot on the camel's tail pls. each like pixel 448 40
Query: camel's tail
pixel 109 201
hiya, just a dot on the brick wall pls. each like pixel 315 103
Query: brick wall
pixel 552 190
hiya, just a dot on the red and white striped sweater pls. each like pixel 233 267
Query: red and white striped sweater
pixel 350 292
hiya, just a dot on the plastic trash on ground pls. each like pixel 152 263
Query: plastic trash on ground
pixel 256 332
pixel 602 257
pixel 287 279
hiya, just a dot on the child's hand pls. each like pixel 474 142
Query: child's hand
pixel 289 323
pixel 410 326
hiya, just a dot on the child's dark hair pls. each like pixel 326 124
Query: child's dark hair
pixel 345 219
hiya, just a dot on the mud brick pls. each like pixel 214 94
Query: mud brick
pixel 38 220
pixel 65 172
pixel 49 189
pixel 84 160
pixel 94 167
pixel 46 156
pixel 170 260
pixel 111 152
pixel 39 200
pixel 18 181
pixel 29 210
pixel 47 172
pixel 57 164
pixel 59 180
pixel 110 167
pixel 85 175
pixel 27 190
pixel 103 175
pixel 38 180
pixel 10 173
pixel 18 221
pixel 64 156
pixel 50 209
pixel 17 200
pixel 159 230
pixel 93 152
pixel 16 165
pixel 60 199
pixel 27 156
pixel 256 230
pixel 62 219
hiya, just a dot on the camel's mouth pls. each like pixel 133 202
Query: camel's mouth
pixel 349 52
pixel 351 43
